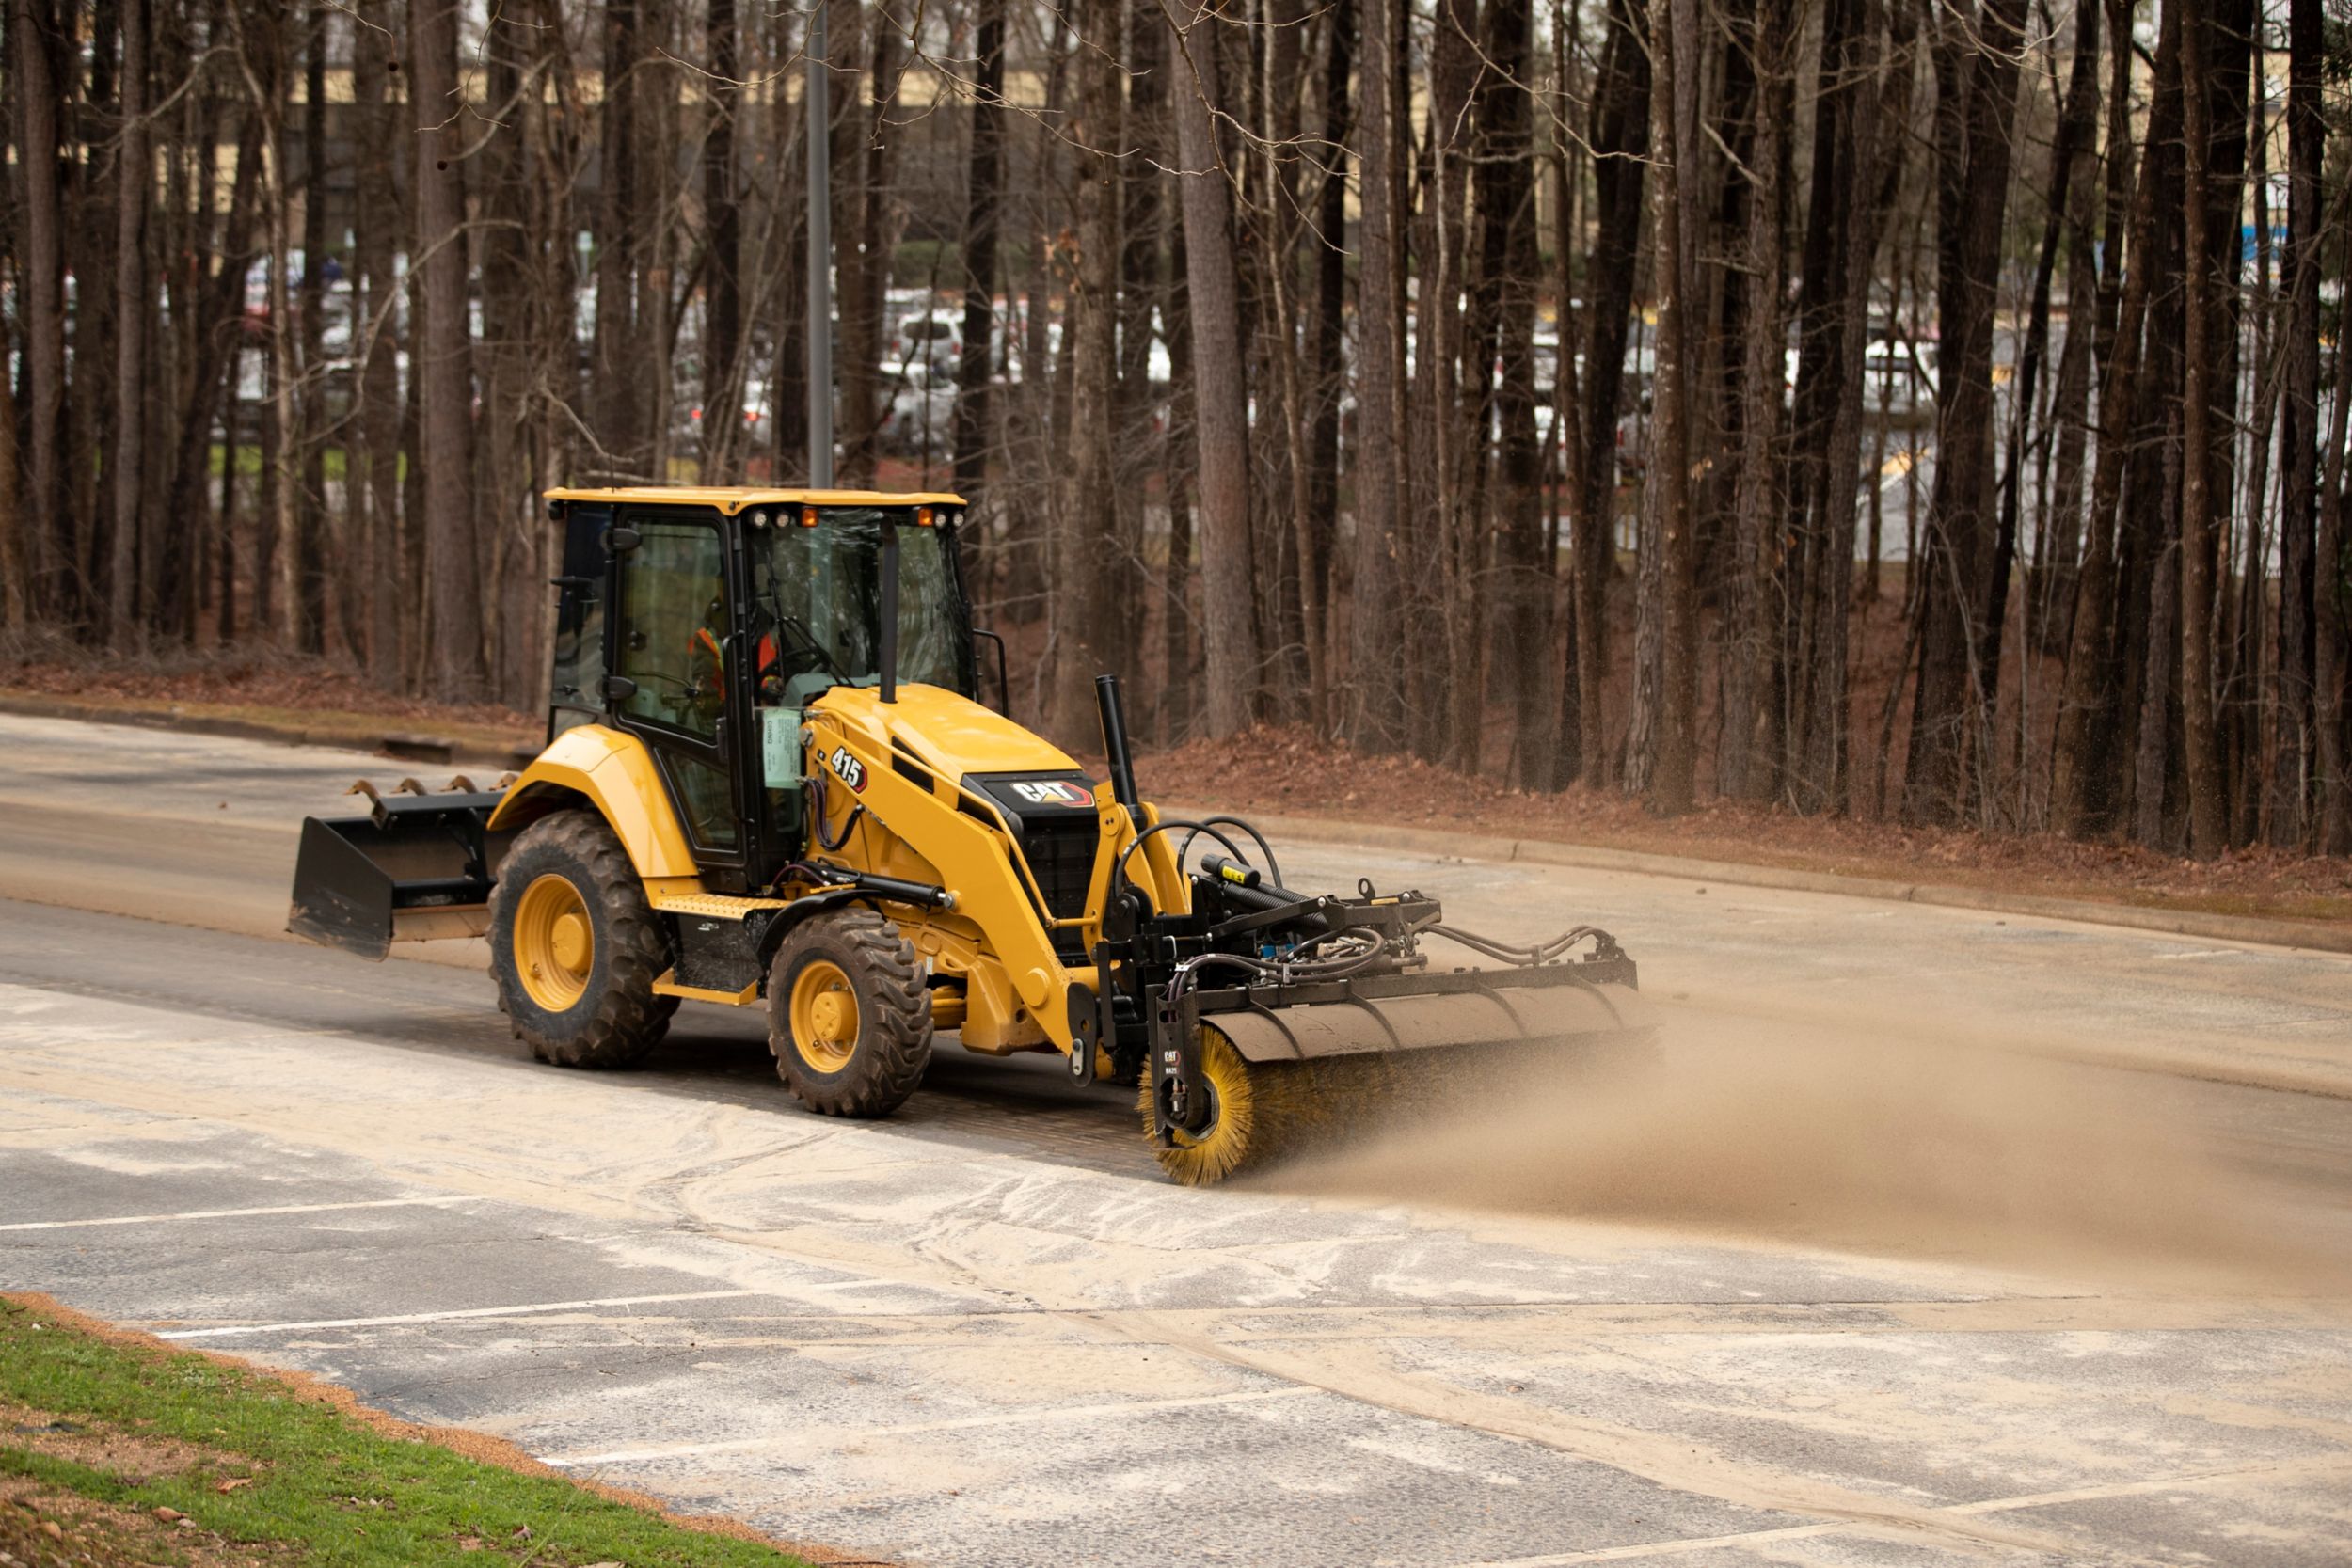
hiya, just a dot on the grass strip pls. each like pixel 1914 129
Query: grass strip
pixel 119 1441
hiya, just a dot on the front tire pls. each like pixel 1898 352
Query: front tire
pixel 848 1017
pixel 575 948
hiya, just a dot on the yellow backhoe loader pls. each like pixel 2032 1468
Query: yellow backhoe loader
pixel 771 774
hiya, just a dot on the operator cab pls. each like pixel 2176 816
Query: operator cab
pixel 703 621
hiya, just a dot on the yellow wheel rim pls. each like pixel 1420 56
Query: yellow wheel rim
pixel 1217 1150
pixel 824 1016
pixel 555 943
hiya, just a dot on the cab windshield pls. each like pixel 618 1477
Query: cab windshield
pixel 816 604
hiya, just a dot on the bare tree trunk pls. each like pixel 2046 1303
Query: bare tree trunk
pixel 1179 702
pixel 1304 679
pixel 133 190
pixel 984 193
pixel 2208 824
pixel 1087 564
pixel 865 267
pixel 1567 762
pixel 1620 146
pixel 1221 415
pixel 2082 797
pixel 2293 757
pixel 215 329
pixel 1976 74
pixel 1509 270
pixel 16 608
pixel 1329 332
pixel 276 564
pixel 317 541
pixel 444 369
pixel 372 468
pixel 1140 410
pixel 1375 709
pixel 1661 750
pixel 2077 125
pixel 723 325
pixel 509 523
pixel 225 591
pixel 2059 550
pixel 1757 497
pixel 41 270
pixel 618 354
pixel 1441 696
pixel 2331 694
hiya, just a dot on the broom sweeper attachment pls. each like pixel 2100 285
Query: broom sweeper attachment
pixel 1270 1020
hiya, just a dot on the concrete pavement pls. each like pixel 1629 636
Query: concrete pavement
pixel 1854 1280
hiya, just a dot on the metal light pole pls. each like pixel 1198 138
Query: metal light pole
pixel 819 252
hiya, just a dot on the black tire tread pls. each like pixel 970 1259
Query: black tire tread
pixel 893 1048
pixel 628 1020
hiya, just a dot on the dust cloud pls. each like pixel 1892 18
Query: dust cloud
pixel 1886 1139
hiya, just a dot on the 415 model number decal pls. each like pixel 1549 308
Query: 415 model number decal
pixel 852 772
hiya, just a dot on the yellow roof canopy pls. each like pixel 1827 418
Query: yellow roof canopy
pixel 735 498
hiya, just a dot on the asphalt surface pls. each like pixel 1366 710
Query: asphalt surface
pixel 1942 1237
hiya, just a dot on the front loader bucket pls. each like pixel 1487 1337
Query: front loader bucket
pixel 415 868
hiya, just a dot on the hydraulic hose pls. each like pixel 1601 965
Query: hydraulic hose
pixel 816 814
pixel 1525 957
pixel 1273 866
pixel 1118 868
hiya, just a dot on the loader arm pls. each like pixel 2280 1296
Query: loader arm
pixel 963 844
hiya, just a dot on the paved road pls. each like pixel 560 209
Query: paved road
pixel 1935 1237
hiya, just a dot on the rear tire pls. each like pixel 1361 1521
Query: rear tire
pixel 848 1017
pixel 575 948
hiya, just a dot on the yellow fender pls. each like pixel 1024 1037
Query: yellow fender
pixel 615 774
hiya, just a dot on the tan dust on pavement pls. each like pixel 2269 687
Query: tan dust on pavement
pixel 1880 1140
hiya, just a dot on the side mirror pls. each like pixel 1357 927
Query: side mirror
pixel 617 540
pixel 619 689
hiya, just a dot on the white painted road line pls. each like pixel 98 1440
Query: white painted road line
pixel 527 1309
pixel 242 1214
pixel 1047 1413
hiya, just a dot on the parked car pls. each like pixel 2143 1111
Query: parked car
pixel 932 337
pixel 1899 379
pixel 920 421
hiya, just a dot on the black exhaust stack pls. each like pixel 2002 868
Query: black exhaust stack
pixel 889 609
pixel 1122 763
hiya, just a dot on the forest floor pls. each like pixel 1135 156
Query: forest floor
pixel 321 705
pixel 1290 771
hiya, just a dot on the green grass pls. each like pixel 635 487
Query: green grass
pixel 325 1488
pixel 332 462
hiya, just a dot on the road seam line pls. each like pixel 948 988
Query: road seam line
pixel 1121 1407
pixel 241 1213
pixel 526 1309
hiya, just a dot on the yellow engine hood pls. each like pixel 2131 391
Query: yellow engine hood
pixel 952 734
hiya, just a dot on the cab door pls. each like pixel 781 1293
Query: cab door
pixel 674 685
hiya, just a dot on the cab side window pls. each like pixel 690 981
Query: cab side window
pixel 579 684
pixel 674 626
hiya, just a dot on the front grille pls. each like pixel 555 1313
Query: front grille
pixel 1061 856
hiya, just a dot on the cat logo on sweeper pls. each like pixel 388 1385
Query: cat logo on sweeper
pixel 1053 792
